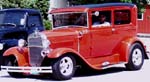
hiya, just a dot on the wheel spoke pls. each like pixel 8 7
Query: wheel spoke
pixel 137 57
pixel 66 66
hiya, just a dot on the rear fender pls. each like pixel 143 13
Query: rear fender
pixel 21 54
pixel 125 48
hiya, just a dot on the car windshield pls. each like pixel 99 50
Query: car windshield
pixel 12 18
pixel 69 19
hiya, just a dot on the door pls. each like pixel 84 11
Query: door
pixel 106 39
pixel 101 34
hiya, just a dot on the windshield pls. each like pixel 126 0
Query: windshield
pixel 12 18
pixel 69 19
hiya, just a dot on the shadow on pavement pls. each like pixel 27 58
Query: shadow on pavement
pixel 91 72
pixel 79 73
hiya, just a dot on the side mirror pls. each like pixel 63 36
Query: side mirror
pixel 22 21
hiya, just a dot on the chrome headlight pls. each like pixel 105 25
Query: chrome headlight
pixel 44 52
pixel 45 43
pixel 43 36
pixel 21 42
pixel 1 46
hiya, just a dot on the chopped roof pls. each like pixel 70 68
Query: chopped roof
pixel 89 6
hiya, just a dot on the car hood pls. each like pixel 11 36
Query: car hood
pixel 64 37
pixel 4 31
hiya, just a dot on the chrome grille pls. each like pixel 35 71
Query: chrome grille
pixel 35 56
pixel 35 41
pixel 35 48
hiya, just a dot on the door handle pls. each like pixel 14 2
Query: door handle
pixel 80 35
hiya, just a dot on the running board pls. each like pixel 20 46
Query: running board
pixel 114 65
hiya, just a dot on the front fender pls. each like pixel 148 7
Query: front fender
pixel 63 51
pixel 21 54
pixel 60 51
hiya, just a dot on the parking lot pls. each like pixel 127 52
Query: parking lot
pixel 115 74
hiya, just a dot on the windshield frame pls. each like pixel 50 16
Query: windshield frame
pixel 66 26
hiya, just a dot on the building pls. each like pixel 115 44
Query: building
pixel 144 27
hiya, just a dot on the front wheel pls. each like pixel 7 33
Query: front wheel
pixel 136 57
pixel 64 68
pixel 12 61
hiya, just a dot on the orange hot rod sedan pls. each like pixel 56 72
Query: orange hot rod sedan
pixel 98 35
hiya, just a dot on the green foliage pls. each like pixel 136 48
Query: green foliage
pixel 140 3
pixel 87 1
pixel 107 1
pixel 47 24
pixel 126 1
pixel 94 1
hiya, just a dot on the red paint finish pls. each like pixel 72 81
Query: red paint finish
pixel 21 55
pixel 97 46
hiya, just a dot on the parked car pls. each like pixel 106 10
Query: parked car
pixel 17 24
pixel 76 40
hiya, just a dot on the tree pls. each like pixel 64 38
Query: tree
pixel 140 3
pixel 106 1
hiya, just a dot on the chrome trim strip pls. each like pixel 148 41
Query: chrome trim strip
pixel 88 25
pixel 35 46
pixel 115 65
pixel 27 69
pixel 78 43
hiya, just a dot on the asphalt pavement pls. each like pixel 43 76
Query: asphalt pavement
pixel 115 74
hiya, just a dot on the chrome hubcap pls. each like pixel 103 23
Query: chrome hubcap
pixel 66 66
pixel 137 57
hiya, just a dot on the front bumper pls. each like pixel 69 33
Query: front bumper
pixel 31 70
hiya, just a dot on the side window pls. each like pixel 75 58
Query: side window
pixel 101 18
pixel 122 17
pixel 34 20
pixel 140 16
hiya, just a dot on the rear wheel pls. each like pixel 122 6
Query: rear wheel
pixel 64 68
pixel 136 58
pixel 11 61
